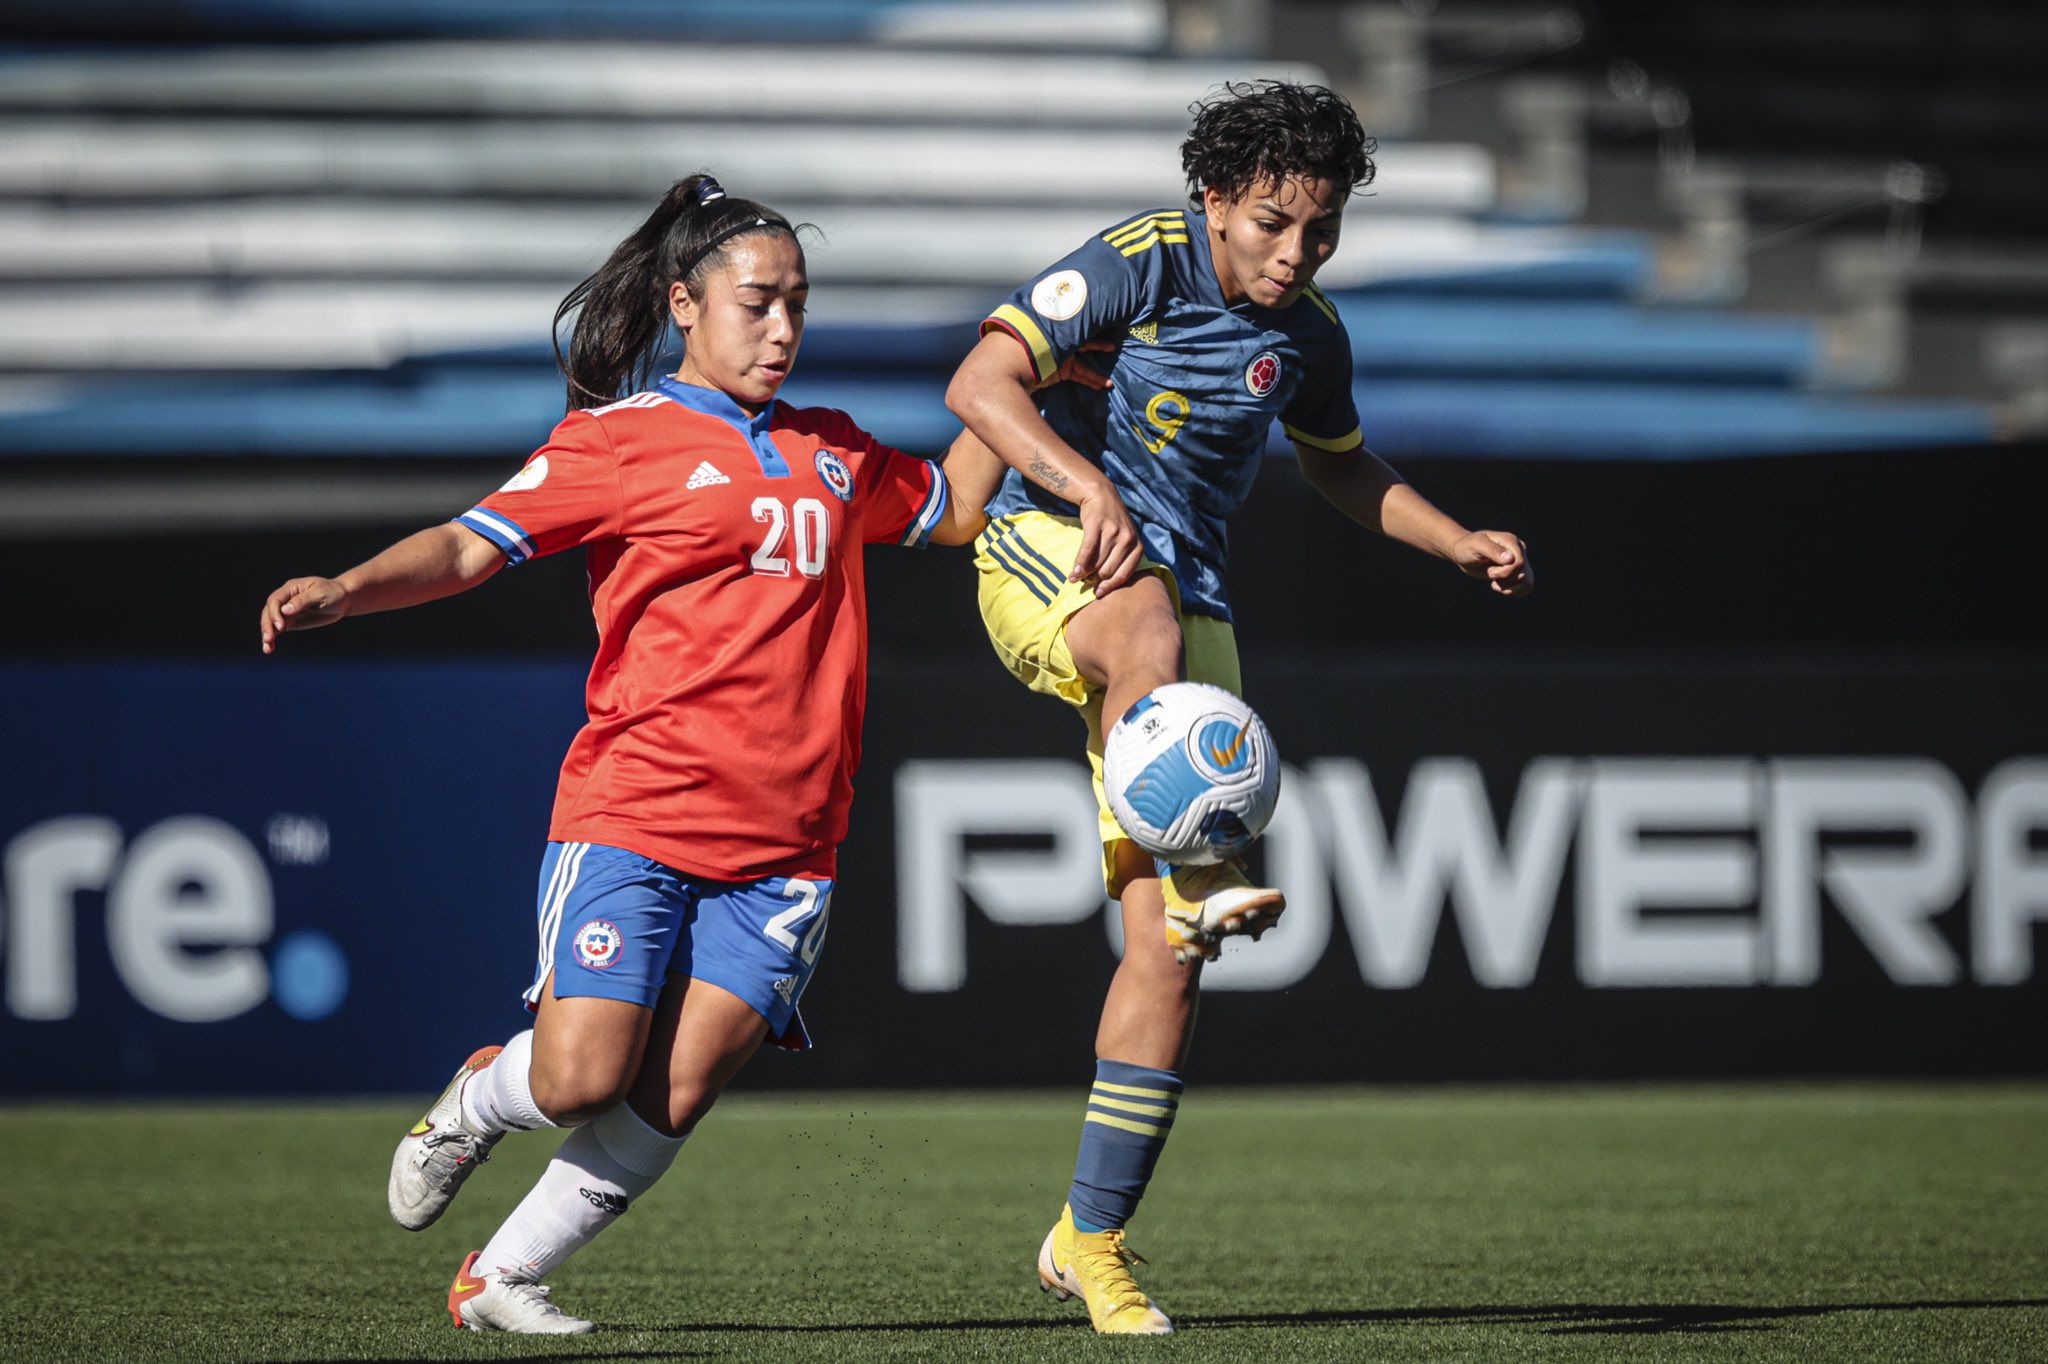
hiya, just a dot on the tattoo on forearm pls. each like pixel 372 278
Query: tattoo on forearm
pixel 1049 478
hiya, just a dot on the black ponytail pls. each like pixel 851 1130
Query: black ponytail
pixel 622 314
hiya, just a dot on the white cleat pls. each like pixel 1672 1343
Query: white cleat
pixel 499 1302
pixel 1205 905
pixel 438 1154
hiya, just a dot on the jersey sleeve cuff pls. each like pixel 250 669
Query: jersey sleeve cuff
pixel 918 533
pixel 1017 323
pixel 501 530
pixel 1336 445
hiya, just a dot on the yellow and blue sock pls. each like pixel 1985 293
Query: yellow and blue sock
pixel 1130 1112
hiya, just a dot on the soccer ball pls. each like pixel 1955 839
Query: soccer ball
pixel 1191 774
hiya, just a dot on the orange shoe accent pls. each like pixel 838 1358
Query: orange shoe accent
pixel 465 1284
pixel 478 1059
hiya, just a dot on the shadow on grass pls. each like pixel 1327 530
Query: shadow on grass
pixel 663 1353
pixel 1576 1318
pixel 1581 1318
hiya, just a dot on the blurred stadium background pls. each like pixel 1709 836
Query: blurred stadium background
pixel 1737 311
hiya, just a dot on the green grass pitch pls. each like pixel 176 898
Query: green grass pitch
pixel 1805 1223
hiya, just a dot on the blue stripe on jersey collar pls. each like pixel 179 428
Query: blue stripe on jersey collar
pixel 715 403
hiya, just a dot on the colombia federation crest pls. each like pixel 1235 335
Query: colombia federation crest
pixel 1262 374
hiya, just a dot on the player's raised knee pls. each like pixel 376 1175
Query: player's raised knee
pixel 1132 633
pixel 571 1095
pixel 687 1106
pixel 573 1102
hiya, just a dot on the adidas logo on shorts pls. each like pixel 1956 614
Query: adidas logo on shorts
pixel 705 476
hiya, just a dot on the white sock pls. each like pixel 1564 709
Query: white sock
pixel 498 1099
pixel 592 1180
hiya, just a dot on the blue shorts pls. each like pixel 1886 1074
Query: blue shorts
pixel 616 925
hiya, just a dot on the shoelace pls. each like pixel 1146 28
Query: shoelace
pixel 469 1147
pixel 530 1294
pixel 1116 1277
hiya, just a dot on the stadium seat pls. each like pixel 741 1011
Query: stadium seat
pixel 315 249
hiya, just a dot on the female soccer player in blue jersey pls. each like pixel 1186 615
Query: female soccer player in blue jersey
pixel 1101 571
pixel 688 877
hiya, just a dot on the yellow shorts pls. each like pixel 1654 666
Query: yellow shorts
pixel 1026 601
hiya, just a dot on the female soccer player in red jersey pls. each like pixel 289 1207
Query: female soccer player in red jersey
pixel 688 875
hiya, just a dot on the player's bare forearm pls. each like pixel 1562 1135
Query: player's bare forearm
pixel 1411 518
pixel 972 473
pixel 425 566
pixel 1360 485
pixel 991 393
pixel 434 563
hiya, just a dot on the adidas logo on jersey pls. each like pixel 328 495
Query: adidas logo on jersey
pixel 1146 332
pixel 706 475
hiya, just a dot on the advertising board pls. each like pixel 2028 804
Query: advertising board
pixel 320 877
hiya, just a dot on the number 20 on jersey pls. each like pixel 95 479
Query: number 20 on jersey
pixel 807 524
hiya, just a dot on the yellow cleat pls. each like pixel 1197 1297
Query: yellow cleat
pixel 1205 905
pixel 1096 1268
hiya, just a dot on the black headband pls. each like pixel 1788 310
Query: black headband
pixel 690 265
pixel 708 190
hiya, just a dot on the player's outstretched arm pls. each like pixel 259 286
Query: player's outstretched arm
pixel 991 393
pixel 1362 486
pixel 434 563
pixel 972 473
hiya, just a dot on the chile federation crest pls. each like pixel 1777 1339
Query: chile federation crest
pixel 598 943
pixel 836 475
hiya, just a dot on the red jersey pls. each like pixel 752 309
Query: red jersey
pixel 725 701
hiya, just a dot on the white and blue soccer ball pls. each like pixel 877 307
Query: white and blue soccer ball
pixel 1191 773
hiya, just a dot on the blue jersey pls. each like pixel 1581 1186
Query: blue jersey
pixel 1197 385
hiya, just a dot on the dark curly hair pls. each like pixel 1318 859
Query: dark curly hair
pixel 1258 132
